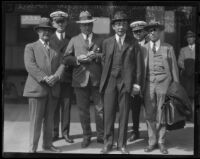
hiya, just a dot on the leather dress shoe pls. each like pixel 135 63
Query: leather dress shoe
pixel 100 140
pixel 106 149
pixel 67 139
pixel 51 149
pixel 163 149
pixel 55 138
pixel 134 136
pixel 32 151
pixel 85 143
pixel 150 148
pixel 124 150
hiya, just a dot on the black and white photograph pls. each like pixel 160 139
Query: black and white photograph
pixel 100 78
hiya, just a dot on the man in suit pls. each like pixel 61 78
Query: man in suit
pixel 59 42
pixel 160 70
pixel 42 85
pixel 121 76
pixel 85 48
pixel 186 63
pixel 139 33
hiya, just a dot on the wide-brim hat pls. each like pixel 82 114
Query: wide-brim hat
pixel 59 15
pixel 189 34
pixel 44 23
pixel 154 24
pixel 85 17
pixel 138 25
pixel 120 16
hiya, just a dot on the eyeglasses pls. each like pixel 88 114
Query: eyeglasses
pixel 137 31
pixel 153 29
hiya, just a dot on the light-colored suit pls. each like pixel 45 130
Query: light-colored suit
pixel 42 98
pixel 155 88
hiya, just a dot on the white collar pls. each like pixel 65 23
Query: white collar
pixel 122 38
pixel 192 46
pixel 89 37
pixel 157 43
pixel 142 42
pixel 43 42
pixel 59 35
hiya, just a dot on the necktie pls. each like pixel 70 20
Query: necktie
pixel 47 48
pixel 120 43
pixel 154 47
pixel 86 40
pixel 61 36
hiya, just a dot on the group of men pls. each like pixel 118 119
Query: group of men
pixel 118 73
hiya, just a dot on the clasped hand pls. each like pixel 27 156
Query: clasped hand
pixel 51 80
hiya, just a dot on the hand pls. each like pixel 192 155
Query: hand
pixel 52 80
pixel 91 55
pixel 135 90
pixel 81 57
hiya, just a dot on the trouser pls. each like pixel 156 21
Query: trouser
pixel 135 109
pixel 41 111
pixel 63 109
pixel 154 99
pixel 115 91
pixel 83 95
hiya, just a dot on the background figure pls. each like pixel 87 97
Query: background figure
pixel 139 33
pixel 186 63
pixel 42 86
pixel 86 50
pixel 160 71
pixel 121 75
pixel 59 42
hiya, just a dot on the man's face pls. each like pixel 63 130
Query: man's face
pixel 45 34
pixel 154 34
pixel 86 28
pixel 60 25
pixel 139 34
pixel 120 27
pixel 191 40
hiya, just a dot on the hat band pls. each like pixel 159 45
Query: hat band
pixel 85 18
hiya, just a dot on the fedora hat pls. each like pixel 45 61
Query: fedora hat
pixel 138 25
pixel 119 16
pixel 154 24
pixel 189 34
pixel 59 15
pixel 44 23
pixel 85 17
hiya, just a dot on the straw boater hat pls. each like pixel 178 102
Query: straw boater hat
pixel 44 23
pixel 189 34
pixel 59 15
pixel 119 16
pixel 85 17
pixel 138 25
pixel 154 24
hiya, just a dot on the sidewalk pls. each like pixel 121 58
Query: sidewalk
pixel 16 135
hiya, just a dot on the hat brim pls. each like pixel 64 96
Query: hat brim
pixel 59 18
pixel 86 21
pixel 116 20
pixel 43 27
pixel 161 27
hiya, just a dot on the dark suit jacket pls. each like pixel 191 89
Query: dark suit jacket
pixel 81 73
pixel 60 47
pixel 132 64
pixel 39 65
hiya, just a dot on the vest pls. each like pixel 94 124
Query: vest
pixel 156 70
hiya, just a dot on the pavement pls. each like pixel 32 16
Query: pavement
pixel 16 135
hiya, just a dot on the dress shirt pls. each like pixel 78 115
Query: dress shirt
pixel 59 35
pixel 157 43
pixel 141 42
pixel 122 38
pixel 89 37
pixel 192 47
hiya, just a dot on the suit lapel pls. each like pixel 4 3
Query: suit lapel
pixel 82 40
pixel 125 45
pixel 111 46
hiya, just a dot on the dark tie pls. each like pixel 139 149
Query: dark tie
pixel 120 43
pixel 154 47
pixel 61 36
pixel 86 40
